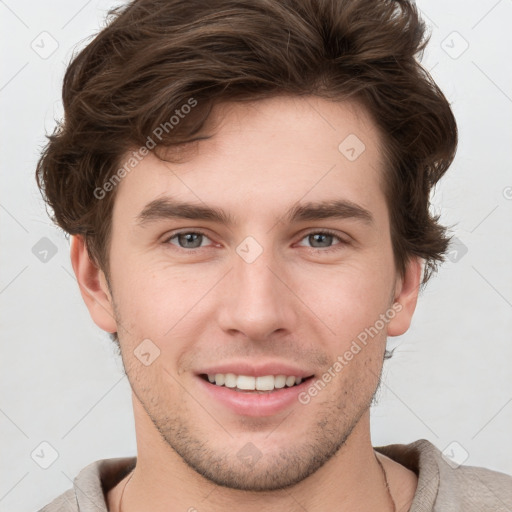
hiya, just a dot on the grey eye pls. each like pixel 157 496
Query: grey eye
pixel 324 239
pixel 188 240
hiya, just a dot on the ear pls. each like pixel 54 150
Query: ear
pixel 406 297
pixel 93 286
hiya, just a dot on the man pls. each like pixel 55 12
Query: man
pixel 247 185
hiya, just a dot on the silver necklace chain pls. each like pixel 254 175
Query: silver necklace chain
pixel 122 493
pixel 387 484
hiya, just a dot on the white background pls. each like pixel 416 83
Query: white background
pixel 450 378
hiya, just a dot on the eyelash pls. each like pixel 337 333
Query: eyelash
pixel 316 249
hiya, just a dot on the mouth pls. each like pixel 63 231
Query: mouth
pixel 246 389
pixel 264 384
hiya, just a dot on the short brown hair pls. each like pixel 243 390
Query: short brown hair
pixel 156 55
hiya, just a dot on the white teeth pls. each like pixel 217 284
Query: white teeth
pixel 249 383
pixel 245 382
pixel 280 381
pixel 230 380
pixel 290 381
pixel 265 383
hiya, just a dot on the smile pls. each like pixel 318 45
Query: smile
pixel 248 383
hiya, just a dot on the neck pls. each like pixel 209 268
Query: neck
pixel 351 480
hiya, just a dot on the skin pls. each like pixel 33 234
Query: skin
pixel 295 303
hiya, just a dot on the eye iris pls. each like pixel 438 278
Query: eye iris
pixel 325 235
pixel 190 237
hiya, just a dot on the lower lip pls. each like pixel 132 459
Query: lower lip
pixel 254 404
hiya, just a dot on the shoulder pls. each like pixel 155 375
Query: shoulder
pixel 91 485
pixel 475 488
pixel 66 502
pixel 445 485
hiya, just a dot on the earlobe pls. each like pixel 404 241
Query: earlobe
pixel 93 286
pixel 406 296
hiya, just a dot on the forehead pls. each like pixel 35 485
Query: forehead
pixel 266 155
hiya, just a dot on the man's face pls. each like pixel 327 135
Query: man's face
pixel 262 295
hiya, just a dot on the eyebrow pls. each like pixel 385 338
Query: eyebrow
pixel 169 208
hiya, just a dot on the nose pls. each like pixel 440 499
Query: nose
pixel 256 299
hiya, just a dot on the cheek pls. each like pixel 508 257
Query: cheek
pixel 349 298
pixel 352 307
pixel 159 303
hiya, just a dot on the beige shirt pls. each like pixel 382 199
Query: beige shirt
pixel 441 487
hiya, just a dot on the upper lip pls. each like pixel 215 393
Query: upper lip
pixel 257 369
